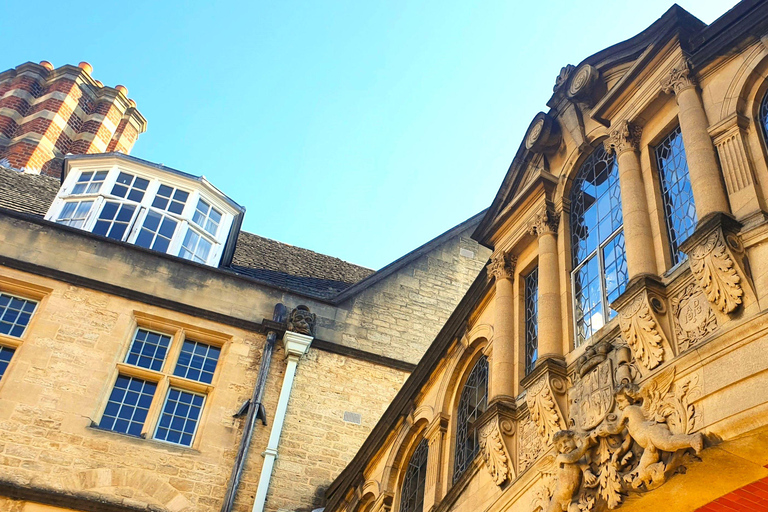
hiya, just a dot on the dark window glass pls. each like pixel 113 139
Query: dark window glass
pixel 114 220
pixel 181 413
pixel 412 498
pixel 473 401
pixel 531 319
pixel 170 199
pixel 679 208
pixel 597 243
pixel 197 361
pixel 89 182
pixel 148 349
pixel 5 358
pixel 130 187
pixel 15 314
pixel 128 405
pixel 157 232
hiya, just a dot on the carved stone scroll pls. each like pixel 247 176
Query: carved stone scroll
pixel 497 458
pixel 712 264
pixel 544 410
pixel 641 331
pixel 680 78
pixel 692 316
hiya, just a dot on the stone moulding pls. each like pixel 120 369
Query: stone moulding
pixel 715 251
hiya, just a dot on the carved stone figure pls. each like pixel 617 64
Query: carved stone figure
pixel 570 468
pixel 302 321
pixel 654 436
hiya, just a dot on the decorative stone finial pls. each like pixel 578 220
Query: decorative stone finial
pixel 626 137
pixel 47 65
pixel 302 321
pixel 123 89
pixel 679 79
pixel 85 66
pixel 502 266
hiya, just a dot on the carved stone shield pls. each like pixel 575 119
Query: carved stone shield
pixel 591 398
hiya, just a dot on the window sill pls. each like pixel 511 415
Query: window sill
pixel 142 440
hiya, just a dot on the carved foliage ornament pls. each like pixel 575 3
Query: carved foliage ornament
pixel 641 332
pixel 693 317
pixel 502 266
pixel 544 410
pixel 302 321
pixel 545 222
pixel 495 455
pixel 625 137
pixel 679 79
pixel 715 271
pixel 565 72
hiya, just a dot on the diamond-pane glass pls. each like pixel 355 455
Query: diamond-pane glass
pixel 597 242
pixel 181 413
pixel 531 319
pixel 148 349
pixel 679 208
pixel 473 401
pixel 128 405
pixel 197 361
pixel 15 314
pixel 5 358
pixel 412 498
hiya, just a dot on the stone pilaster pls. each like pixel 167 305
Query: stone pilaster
pixel 503 367
pixel 550 317
pixel 709 192
pixel 638 238
pixel 435 435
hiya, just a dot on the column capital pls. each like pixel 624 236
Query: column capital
pixel 502 266
pixel 680 78
pixel 545 222
pixel 625 137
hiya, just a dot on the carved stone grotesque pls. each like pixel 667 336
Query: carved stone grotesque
pixel 302 321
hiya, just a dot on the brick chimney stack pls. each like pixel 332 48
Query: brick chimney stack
pixel 46 113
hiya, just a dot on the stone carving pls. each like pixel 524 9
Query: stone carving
pixel 530 445
pixel 565 72
pixel 693 318
pixel 583 82
pixel 302 321
pixel 545 222
pixel 715 272
pixel 502 266
pixel 497 459
pixel 679 79
pixel 543 133
pixel 641 332
pixel 592 397
pixel 625 137
pixel 635 444
pixel 544 410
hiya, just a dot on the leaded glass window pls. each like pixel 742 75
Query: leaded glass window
pixel 679 209
pixel 473 401
pixel 597 243
pixel 531 319
pixel 412 498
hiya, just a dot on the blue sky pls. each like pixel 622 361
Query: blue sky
pixel 360 129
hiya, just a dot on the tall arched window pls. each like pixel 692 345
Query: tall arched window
pixel 412 499
pixel 473 401
pixel 597 243
pixel 764 115
pixel 679 209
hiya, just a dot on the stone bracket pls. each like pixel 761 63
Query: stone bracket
pixel 495 435
pixel 718 262
pixel 642 320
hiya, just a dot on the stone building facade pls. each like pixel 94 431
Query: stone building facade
pixel 612 354
pixel 148 346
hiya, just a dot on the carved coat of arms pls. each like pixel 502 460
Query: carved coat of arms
pixel 591 397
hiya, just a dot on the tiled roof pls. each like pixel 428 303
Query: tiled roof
pixel 283 265
pixel 295 268
pixel 27 193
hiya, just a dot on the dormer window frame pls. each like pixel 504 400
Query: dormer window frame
pixel 184 223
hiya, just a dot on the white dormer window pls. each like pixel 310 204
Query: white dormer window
pixel 168 212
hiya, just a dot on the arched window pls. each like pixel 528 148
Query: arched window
pixel 473 401
pixel 679 209
pixel 412 499
pixel 597 243
pixel 764 115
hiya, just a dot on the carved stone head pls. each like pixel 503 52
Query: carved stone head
pixel 627 393
pixel 565 441
pixel 302 321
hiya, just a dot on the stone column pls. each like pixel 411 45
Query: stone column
pixel 503 367
pixel 435 436
pixel 638 238
pixel 706 182
pixel 550 318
